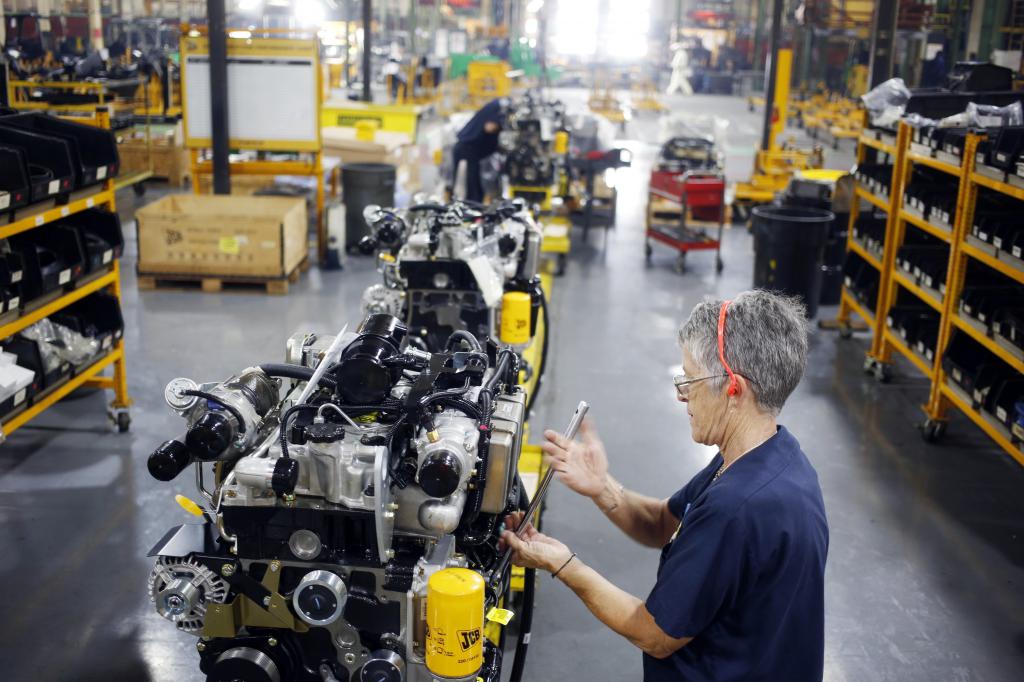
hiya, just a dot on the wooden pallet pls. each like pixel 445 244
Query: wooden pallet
pixel 149 281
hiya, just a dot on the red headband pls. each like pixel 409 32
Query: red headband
pixel 733 385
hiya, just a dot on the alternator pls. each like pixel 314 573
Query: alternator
pixel 181 588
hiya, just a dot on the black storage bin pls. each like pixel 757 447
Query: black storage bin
pixel 978 77
pixel 49 160
pixel 982 302
pixel 1002 399
pixel 14 179
pixel 971 367
pixel 1006 148
pixel 789 250
pixel 908 320
pixel 1009 324
pixel 869 230
pixel 364 184
pixel 93 150
pixel 96 316
pixel 30 357
pixel 100 234
pixel 53 257
pixel 861 278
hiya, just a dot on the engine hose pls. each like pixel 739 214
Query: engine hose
pixel 428 206
pixel 491 670
pixel 230 408
pixel 543 362
pixel 284 424
pixel 463 335
pixel 526 614
pixel 500 367
pixel 298 372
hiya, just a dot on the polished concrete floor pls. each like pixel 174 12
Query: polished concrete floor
pixel 926 570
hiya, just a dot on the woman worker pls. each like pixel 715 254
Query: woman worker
pixel 739 593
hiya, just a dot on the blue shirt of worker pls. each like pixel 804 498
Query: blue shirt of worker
pixel 475 137
pixel 744 575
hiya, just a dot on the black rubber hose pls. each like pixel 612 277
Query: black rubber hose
pixel 462 335
pixel 428 206
pixel 284 424
pixel 543 362
pixel 298 372
pixel 526 613
pixel 491 670
pixel 230 408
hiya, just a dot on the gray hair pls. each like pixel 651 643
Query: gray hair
pixel 765 341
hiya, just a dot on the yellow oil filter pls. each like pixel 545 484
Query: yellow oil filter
pixel 561 145
pixel 366 130
pixel 515 318
pixel 455 623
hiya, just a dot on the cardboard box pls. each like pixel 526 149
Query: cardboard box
pixel 185 234
pixel 387 147
pixel 241 185
pixel 169 162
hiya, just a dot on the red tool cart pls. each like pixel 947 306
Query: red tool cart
pixel 683 207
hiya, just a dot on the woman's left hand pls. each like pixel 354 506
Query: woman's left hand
pixel 534 549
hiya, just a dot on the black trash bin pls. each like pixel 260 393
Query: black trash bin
pixel 364 184
pixel 789 249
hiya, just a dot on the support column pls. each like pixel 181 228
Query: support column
pixel 978 8
pixel 883 41
pixel 773 71
pixel 758 34
pixel 413 6
pixel 95 25
pixel 217 23
pixel 367 49
pixel 679 21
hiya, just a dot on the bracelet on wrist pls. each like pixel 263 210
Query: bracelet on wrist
pixel 571 557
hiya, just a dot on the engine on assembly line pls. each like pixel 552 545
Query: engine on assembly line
pixel 457 267
pixel 535 141
pixel 353 500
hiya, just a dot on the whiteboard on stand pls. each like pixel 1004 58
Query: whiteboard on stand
pixel 273 94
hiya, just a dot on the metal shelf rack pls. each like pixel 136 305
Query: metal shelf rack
pixel 90 376
pixel 885 342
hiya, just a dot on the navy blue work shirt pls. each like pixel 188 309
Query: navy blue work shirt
pixel 474 138
pixel 744 575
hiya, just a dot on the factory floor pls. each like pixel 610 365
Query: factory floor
pixel 925 577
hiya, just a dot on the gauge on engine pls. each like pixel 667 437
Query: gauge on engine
pixel 320 598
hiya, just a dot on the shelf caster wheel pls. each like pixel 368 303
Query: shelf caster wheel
pixel 869 365
pixel 882 372
pixel 932 430
pixel 648 252
pixel 681 263
pixel 719 265
pixel 139 188
pixel 845 332
pixel 120 418
pixel 560 265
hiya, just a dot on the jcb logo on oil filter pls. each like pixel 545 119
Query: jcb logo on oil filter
pixel 467 638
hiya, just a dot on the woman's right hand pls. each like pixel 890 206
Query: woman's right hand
pixel 582 466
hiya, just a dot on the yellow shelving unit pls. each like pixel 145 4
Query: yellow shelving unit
pixel 90 376
pixel 886 343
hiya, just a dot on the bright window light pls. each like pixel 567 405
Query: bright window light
pixel 575 28
pixel 531 26
pixel 309 12
pixel 628 24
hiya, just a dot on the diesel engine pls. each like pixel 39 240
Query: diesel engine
pixel 353 497
pixel 457 267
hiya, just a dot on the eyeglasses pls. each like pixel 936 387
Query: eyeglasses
pixel 683 383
